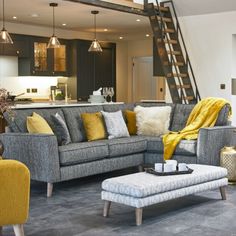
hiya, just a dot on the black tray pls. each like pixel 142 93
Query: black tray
pixel 152 171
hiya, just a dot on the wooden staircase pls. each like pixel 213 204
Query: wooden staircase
pixel 172 52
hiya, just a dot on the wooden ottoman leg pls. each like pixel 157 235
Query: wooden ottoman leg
pixel 49 189
pixel 140 168
pixel 106 208
pixel 18 230
pixel 223 192
pixel 139 215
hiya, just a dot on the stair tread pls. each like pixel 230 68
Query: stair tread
pixel 176 63
pixel 169 30
pixel 162 8
pixel 189 98
pixel 171 41
pixel 174 52
pixel 177 75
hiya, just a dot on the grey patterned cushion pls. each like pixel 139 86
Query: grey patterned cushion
pixel 60 130
pixel 115 124
pixel 127 146
pixel 185 147
pixel 76 153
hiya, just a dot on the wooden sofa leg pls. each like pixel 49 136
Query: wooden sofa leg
pixel 139 215
pixel 106 209
pixel 49 189
pixel 140 168
pixel 0 230
pixel 223 192
pixel 18 230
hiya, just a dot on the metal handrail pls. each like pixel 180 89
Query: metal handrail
pixel 198 97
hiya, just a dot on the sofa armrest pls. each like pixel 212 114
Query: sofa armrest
pixel 39 152
pixel 211 141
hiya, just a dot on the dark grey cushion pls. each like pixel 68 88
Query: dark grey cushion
pixel 185 147
pixel 75 123
pixel 155 104
pixel 76 153
pixel 19 122
pixel 126 146
pixel 60 130
pixel 181 114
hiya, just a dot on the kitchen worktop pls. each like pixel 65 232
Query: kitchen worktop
pixel 72 103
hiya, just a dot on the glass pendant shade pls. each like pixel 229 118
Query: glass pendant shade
pixel 4 35
pixel 53 41
pixel 95 46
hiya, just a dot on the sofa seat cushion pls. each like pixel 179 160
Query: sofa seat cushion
pixel 76 153
pixel 126 146
pixel 185 147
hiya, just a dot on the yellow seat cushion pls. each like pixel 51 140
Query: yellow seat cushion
pixel 131 122
pixel 94 126
pixel 37 124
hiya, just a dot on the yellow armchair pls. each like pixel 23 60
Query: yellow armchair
pixel 14 195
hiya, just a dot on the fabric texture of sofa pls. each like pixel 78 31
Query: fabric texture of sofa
pixel 51 163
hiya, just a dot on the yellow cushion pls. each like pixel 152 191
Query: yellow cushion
pixel 131 122
pixel 37 124
pixel 94 126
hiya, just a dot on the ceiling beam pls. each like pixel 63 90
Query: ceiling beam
pixel 111 6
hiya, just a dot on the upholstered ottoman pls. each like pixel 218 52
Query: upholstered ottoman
pixel 142 189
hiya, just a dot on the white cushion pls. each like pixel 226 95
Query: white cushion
pixel 115 124
pixel 153 121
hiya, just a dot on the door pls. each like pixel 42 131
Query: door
pixel 145 85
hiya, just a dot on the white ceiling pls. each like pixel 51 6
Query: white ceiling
pixel 78 17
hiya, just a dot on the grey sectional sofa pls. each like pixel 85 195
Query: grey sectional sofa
pixel 51 163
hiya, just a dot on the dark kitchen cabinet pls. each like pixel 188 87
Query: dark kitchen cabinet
pixel 20 47
pixel 45 61
pixel 93 70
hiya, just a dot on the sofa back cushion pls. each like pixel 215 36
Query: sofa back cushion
pixel 117 107
pixel 74 121
pixel 182 112
pixel 18 124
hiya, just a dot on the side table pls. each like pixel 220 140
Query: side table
pixel 228 161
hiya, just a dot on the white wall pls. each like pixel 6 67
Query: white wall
pixel 209 43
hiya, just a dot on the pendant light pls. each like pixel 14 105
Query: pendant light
pixel 95 46
pixel 4 35
pixel 53 41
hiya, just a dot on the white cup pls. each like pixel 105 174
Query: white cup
pixel 182 167
pixel 173 163
pixel 158 167
pixel 169 168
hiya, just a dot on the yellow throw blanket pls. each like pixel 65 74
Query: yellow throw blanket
pixel 204 114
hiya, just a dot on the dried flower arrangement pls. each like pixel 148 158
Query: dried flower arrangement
pixel 5 104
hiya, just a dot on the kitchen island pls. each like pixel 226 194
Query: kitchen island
pixel 72 103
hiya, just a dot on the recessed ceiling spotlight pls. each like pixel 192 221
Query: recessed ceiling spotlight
pixel 138 20
pixel 105 30
pixel 147 35
pixel 14 17
pixel 63 24
pixel 120 37
pixel 34 15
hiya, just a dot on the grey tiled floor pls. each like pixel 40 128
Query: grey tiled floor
pixel 76 209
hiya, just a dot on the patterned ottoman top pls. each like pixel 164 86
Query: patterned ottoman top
pixel 144 184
